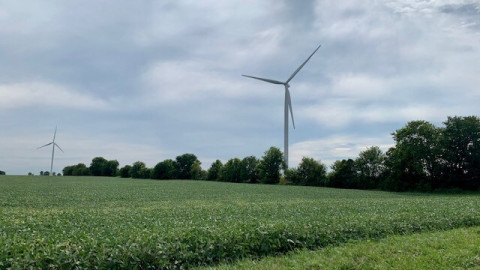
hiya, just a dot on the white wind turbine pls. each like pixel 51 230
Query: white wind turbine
pixel 288 102
pixel 53 143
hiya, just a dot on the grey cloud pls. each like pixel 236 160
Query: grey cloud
pixel 169 74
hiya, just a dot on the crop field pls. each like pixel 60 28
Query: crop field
pixel 452 249
pixel 89 222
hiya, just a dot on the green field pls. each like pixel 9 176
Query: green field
pixel 83 222
pixel 453 249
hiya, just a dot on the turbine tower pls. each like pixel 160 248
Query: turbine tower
pixel 53 143
pixel 288 102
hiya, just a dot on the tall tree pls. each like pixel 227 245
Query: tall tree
pixel 125 171
pixel 213 172
pixel 270 165
pixel 110 168
pixel 230 172
pixel 138 170
pixel 343 174
pixel 97 166
pixel 460 143
pixel 80 170
pixel 184 165
pixel 249 169
pixel 370 167
pixel 413 162
pixel 197 172
pixel 311 172
pixel 164 170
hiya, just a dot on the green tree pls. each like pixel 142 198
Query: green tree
pixel 343 174
pixel 292 176
pixel 370 167
pixel 230 172
pixel 249 169
pixel 97 166
pixel 460 147
pixel 197 172
pixel 68 170
pixel 270 166
pixel 311 173
pixel 80 170
pixel 146 173
pixel 413 162
pixel 164 170
pixel 184 165
pixel 125 171
pixel 138 170
pixel 110 168
pixel 213 172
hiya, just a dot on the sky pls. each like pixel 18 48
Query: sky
pixel 151 80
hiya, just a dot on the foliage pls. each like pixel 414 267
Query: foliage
pixel 102 167
pixel 138 170
pixel 184 165
pixel 249 169
pixel 197 172
pixel 2 173
pixel 111 168
pixel 97 166
pixel 343 174
pixel 97 222
pixel 309 173
pixel 312 172
pixel 413 161
pixel 270 165
pixel 164 170
pixel 460 143
pixel 452 249
pixel 370 167
pixel 231 171
pixel 213 172
pixel 125 171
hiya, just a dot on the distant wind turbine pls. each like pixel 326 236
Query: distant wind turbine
pixel 53 143
pixel 288 102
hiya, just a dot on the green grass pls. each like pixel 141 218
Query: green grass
pixel 87 222
pixel 453 249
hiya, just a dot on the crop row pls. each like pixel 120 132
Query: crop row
pixel 176 224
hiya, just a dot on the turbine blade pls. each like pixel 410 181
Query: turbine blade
pixel 45 145
pixel 59 147
pixel 301 66
pixel 55 133
pixel 265 80
pixel 290 106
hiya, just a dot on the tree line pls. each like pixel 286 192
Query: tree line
pixel 424 158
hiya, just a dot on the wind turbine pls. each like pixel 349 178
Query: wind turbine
pixel 288 102
pixel 53 143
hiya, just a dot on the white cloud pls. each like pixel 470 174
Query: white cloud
pixel 337 147
pixel 181 82
pixel 20 95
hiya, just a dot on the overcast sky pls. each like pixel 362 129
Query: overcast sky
pixel 151 80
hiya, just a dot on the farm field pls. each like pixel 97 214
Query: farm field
pixel 83 222
pixel 452 249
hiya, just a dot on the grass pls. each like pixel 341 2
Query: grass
pixel 453 249
pixel 87 222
